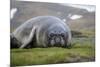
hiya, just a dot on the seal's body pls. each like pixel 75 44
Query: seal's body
pixel 43 31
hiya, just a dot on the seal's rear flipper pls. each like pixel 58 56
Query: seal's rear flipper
pixel 14 43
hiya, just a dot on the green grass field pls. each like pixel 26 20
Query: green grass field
pixel 83 50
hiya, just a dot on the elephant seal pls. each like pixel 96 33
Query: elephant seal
pixel 42 31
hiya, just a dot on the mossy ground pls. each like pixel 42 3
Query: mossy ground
pixel 83 50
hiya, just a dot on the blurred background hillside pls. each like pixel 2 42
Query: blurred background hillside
pixel 80 18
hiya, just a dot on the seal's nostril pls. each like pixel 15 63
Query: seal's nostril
pixel 57 40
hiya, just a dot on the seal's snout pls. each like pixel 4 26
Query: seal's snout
pixel 57 40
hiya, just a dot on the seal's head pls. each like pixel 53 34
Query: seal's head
pixel 56 36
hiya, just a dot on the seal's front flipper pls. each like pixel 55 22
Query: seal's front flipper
pixel 30 38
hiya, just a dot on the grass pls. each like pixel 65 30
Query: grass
pixel 82 50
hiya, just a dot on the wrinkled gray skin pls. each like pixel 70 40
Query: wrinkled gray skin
pixel 45 31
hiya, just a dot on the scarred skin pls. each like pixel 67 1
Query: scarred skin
pixel 42 31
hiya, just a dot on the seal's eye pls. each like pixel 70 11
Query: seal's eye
pixel 62 34
pixel 51 35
